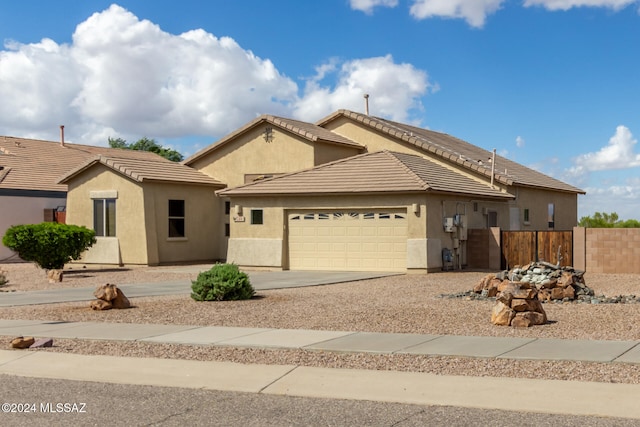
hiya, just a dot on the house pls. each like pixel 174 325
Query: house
pixel 404 204
pixel 35 176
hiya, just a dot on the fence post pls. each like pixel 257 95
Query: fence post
pixel 580 248
pixel 495 249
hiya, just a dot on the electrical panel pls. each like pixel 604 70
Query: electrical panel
pixel 449 225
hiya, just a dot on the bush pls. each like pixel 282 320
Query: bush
pixel 3 278
pixel 223 282
pixel 49 244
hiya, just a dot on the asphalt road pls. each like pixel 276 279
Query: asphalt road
pixel 96 404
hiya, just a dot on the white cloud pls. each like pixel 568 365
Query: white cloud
pixel 474 12
pixel 519 141
pixel 394 89
pixel 122 76
pixel 617 154
pixel 568 4
pixel 367 6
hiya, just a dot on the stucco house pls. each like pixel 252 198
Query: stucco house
pixel 355 192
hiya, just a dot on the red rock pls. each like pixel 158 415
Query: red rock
pixel 520 321
pixel 100 304
pixel 22 342
pixel 120 301
pixel 520 305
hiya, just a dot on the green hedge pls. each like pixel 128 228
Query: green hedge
pixel 49 244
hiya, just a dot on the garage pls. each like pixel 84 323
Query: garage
pixel 349 240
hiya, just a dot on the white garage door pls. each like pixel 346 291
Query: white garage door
pixel 348 240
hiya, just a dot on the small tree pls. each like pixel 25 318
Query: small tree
pixel 50 245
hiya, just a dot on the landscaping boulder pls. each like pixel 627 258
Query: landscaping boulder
pixel 22 342
pixel 109 296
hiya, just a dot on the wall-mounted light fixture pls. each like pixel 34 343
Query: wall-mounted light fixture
pixel 415 208
pixel 238 209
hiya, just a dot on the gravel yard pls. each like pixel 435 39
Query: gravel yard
pixel 401 304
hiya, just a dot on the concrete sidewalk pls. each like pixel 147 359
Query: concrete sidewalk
pixel 336 341
pixel 510 394
pixel 261 280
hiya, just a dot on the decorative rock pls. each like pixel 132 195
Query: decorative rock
pixel 42 342
pixel 22 342
pixel 502 315
pixel 522 305
pixel 106 292
pixel 55 276
pixel 100 304
pixel 109 296
pixel 120 301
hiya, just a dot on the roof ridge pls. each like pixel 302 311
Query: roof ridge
pixel 395 156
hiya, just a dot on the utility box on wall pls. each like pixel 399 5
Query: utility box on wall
pixel 448 224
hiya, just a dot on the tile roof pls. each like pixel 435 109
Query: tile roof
pixel 159 170
pixel 380 172
pixel 458 151
pixel 30 164
pixel 308 131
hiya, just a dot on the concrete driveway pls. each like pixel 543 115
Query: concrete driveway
pixel 261 280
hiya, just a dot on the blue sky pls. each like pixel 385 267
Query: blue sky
pixel 551 84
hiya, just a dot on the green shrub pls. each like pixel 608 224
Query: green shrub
pixel 223 282
pixel 50 245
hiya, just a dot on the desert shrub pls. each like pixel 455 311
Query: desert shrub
pixel 50 245
pixel 3 278
pixel 223 282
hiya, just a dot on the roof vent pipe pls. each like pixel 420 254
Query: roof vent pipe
pixel 62 135
pixel 366 104
pixel 493 166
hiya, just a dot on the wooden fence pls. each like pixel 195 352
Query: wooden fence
pixel 523 247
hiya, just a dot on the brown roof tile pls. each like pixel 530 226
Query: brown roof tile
pixel 308 131
pixel 459 152
pixel 148 171
pixel 30 164
pixel 381 172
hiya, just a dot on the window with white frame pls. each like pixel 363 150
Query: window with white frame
pixel 104 217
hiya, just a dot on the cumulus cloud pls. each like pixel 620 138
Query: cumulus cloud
pixel 123 76
pixel 568 4
pixel 395 89
pixel 519 141
pixel 367 6
pixel 617 154
pixel 475 12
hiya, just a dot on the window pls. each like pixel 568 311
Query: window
pixel 227 207
pixel 551 215
pixel 104 217
pixel 176 218
pixel 227 230
pixel 256 216
pixel 526 216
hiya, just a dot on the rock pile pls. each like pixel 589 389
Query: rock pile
pixel 108 297
pixel 518 305
pixel 550 282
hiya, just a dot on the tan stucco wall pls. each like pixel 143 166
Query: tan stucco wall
pixel 202 234
pixel 249 153
pixel 142 219
pixel 130 219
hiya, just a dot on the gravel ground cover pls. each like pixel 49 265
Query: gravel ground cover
pixel 401 304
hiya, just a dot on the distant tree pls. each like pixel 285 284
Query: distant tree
pixel 599 220
pixel 605 220
pixel 146 144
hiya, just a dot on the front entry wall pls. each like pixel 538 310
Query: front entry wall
pixel 352 240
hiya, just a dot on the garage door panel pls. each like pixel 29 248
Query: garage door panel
pixel 348 240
